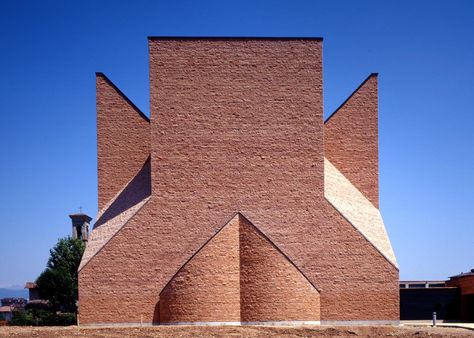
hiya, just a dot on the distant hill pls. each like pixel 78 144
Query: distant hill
pixel 13 292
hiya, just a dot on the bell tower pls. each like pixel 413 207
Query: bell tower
pixel 80 226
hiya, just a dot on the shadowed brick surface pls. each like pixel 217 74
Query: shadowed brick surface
pixel 118 212
pixel 134 192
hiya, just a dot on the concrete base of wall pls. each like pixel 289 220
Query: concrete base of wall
pixel 278 323
pixel 359 322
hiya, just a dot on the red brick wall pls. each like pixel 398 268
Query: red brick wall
pixel 465 283
pixel 271 287
pixel 123 139
pixel 236 126
pixel 238 276
pixel 207 288
pixel 119 285
pixel 351 139
pixel 123 282
pixel 356 282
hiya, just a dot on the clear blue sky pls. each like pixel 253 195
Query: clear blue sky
pixel 423 51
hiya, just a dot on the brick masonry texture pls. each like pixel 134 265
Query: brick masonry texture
pixel 236 127
pixel 220 283
pixel 207 288
pixel 123 139
pixel 271 287
pixel 357 209
pixel 466 285
pixel 118 211
pixel 351 139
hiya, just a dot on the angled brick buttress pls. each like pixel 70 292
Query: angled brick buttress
pixel 235 202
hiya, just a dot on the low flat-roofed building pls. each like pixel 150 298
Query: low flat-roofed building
pixel 451 299
pixel 422 284
pixel 6 313
pixel 419 299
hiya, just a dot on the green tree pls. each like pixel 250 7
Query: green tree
pixel 58 282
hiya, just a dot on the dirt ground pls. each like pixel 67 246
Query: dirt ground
pixel 235 331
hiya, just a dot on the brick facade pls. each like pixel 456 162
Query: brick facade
pixel 219 283
pixel 351 139
pixel 236 129
pixel 123 139
pixel 465 283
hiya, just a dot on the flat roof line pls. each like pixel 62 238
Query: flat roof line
pixel 181 37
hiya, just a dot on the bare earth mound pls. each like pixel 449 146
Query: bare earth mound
pixel 235 331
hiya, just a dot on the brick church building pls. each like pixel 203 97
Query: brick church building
pixel 235 202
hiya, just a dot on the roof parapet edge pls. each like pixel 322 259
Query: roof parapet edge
pixel 102 75
pixel 352 94
pixel 181 37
